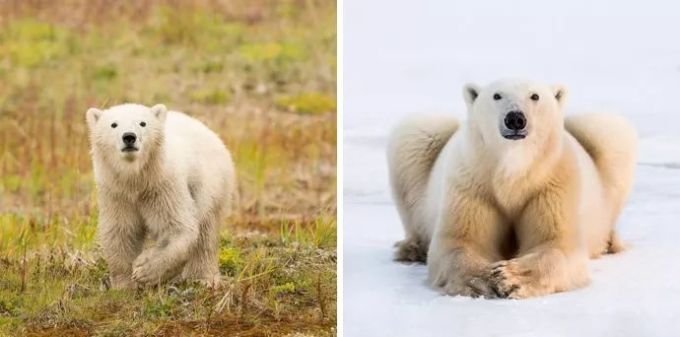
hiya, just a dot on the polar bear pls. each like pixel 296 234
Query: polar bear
pixel 513 202
pixel 164 181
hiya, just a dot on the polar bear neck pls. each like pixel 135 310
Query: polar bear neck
pixel 513 162
pixel 524 169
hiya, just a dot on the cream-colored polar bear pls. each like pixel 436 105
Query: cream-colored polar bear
pixel 514 201
pixel 162 178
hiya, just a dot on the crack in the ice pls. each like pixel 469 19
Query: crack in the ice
pixel 667 165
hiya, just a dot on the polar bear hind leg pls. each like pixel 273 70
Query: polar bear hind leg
pixel 413 147
pixel 611 141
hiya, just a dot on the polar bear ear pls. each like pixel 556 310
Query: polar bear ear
pixel 92 116
pixel 159 111
pixel 560 93
pixel 470 93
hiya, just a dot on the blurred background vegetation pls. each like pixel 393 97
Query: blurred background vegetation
pixel 260 73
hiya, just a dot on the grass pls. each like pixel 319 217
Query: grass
pixel 259 73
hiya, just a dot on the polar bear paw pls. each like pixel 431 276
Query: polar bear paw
pixel 510 279
pixel 474 287
pixel 148 268
pixel 410 250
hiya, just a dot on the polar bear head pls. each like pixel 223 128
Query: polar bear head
pixel 126 134
pixel 513 112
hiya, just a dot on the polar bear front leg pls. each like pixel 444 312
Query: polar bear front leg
pixel 552 257
pixel 176 232
pixel 121 237
pixel 463 246
pixel 164 260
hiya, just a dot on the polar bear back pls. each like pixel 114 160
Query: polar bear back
pixel 198 154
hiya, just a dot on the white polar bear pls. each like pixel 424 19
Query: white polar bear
pixel 513 202
pixel 165 178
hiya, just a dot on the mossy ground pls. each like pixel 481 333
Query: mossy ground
pixel 259 73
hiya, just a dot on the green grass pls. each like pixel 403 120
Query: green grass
pixel 260 74
pixel 307 103
pixel 268 281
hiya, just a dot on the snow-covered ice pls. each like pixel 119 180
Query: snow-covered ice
pixel 403 57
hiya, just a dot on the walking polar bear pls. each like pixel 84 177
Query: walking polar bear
pixel 164 179
pixel 513 202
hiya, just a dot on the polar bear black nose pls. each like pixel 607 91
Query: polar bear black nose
pixel 515 120
pixel 129 138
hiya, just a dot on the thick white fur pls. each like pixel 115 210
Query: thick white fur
pixel 171 194
pixel 496 217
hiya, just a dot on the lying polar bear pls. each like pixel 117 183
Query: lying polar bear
pixel 514 201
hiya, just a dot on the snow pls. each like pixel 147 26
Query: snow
pixel 403 57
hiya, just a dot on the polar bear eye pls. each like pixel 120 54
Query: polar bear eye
pixel 113 125
pixel 534 97
pixel 142 124
pixel 497 96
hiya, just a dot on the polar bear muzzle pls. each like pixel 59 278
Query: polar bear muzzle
pixel 515 123
pixel 129 140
